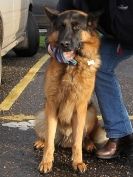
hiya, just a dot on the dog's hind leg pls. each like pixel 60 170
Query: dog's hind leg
pixel 39 144
pixel 40 128
pixel 94 134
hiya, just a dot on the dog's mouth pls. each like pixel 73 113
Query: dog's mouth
pixel 69 52
pixel 69 55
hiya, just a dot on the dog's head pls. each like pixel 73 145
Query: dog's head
pixel 71 29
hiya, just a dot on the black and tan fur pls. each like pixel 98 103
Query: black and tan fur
pixel 67 118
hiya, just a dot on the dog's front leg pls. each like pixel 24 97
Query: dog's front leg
pixel 48 152
pixel 78 124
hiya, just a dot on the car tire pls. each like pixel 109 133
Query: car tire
pixel 0 66
pixel 1 39
pixel 32 39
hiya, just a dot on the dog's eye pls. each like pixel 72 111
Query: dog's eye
pixel 62 25
pixel 76 27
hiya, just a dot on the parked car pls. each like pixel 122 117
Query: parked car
pixel 18 28
pixel 38 10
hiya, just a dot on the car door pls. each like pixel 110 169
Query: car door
pixel 6 10
pixel 20 14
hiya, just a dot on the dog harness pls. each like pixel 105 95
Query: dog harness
pixel 60 56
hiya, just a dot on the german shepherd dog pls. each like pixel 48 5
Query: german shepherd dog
pixel 69 119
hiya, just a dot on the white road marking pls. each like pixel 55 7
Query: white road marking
pixel 20 125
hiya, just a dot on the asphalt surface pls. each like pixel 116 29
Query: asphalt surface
pixel 17 155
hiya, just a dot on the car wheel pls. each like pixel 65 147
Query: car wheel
pixel 1 39
pixel 0 66
pixel 31 39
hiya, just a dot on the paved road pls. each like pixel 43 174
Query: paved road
pixel 21 96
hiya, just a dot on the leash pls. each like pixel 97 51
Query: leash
pixel 60 57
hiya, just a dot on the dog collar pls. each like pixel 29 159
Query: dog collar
pixel 59 56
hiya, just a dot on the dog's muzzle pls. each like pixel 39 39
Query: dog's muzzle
pixel 62 57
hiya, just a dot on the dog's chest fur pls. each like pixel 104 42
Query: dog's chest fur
pixel 67 86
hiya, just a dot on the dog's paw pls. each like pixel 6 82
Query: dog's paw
pixel 81 167
pixel 90 147
pixel 45 167
pixel 39 144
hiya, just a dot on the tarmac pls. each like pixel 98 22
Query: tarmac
pixel 21 97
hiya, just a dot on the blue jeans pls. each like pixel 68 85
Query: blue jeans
pixel 108 91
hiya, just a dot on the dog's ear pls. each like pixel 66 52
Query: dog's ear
pixel 51 13
pixel 93 19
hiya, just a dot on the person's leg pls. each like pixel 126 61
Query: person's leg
pixel 108 92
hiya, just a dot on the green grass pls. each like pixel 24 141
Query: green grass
pixel 42 41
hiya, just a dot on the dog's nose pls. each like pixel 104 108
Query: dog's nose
pixel 65 44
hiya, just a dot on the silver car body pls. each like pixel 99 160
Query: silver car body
pixel 13 20
pixel 14 15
